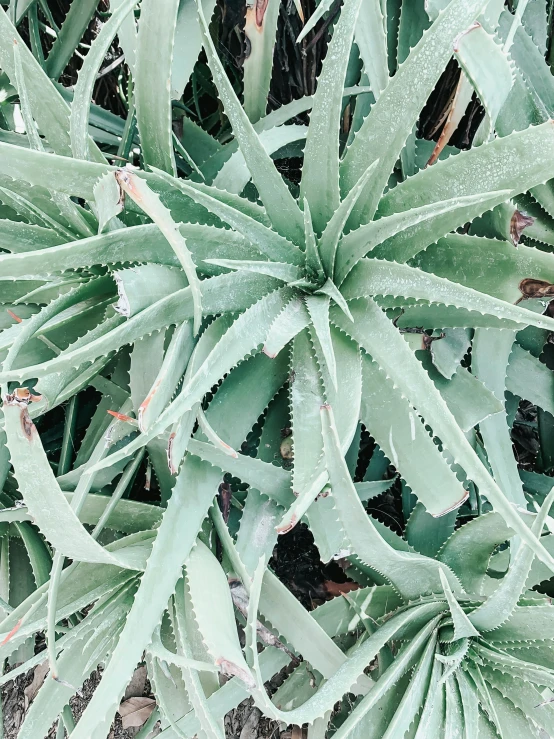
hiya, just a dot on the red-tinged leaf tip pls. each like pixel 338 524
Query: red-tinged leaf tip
pixel 269 354
pixel 14 316
pixel 12 632
pixel 122 417
pixel 288 527
pixel 473 27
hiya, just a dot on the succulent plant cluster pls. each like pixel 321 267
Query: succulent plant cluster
pixel 189 313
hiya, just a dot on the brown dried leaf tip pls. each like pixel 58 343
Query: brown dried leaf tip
pixel 518 222
pixel 21 396
pixel 531 288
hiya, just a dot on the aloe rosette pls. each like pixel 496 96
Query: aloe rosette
pixel 252 305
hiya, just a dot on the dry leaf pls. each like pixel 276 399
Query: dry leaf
pixel 135 711
pixel 38 678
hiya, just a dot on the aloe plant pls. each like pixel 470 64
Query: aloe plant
pixel 251 305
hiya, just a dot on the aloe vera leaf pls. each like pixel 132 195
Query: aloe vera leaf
pixel 427 218
pixel 127 36
pixel 134 244
pixel 425 533
pixel 498 607
pixel 320 174
pixel 150 202
pixel 332 233
pixel 128 516
pixel 463 626
pixel 72 177
pixel 229 695
pixel 67 207
pixel 522 694
pixel 533 20
pixel 275 195
pixel 174 540
pixel 515 162
pixel 380 277
pixel 213 163
pixel 506 266
pixel 493 78
pixel 69 36
pixel 187 45
pixel 80 107
pixel 470 703
pixel 450 350
pixel 306 395
pixel 48 107
pixel 511 720
pixel 265 477
pixel 333 689
pixel 269 242
pixel 108 611
pixel 193 493
pixel 155 38
pixel 195 690
pixel 469 400
pixel 524 625
pixel 400 433
pixel 40 558
pixel 403 661
pixel 372 44
pixel 373 330
pixel 142 286
pixel 316 16
pixel 362 534
pixel 257 536
pixel 172 368
pixel 289 617
pixel 318 308
pixel 434 316
pixel 529 61
pixel 17 237
pixel 182 429
pixel 386 129
pixel 234 175
pixel 501 659
pixel 34 210
pixel 245 334
pixel 175 308
pixel 217 625
pixel 146 359
pixel 57 521
pixel 280 270
pixel 56 306
pixel 490 361
pixel 54 695
pixel 338 616
pixel 93 582
pixel 322 516
pixel 291 321
pixel 260 29
pixel 527 377
pixel 414 697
